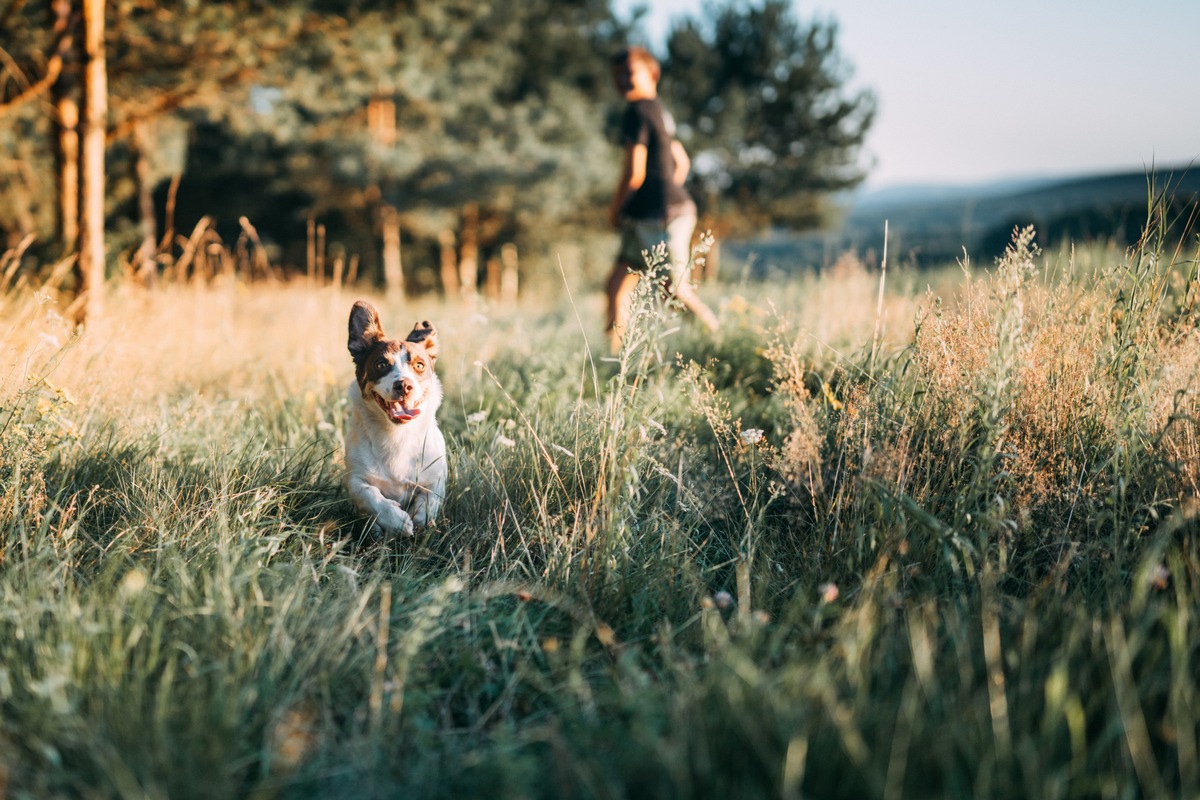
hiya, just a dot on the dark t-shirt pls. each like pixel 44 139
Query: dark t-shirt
pixel 645 122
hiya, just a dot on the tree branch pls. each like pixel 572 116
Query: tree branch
pixel 54 65
pixel 172 101
pixel 53 70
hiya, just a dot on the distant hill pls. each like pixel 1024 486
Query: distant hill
pixel 932 224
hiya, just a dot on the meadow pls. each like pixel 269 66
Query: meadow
pixel 939 541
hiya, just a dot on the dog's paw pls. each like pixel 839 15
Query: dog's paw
pixel 392 521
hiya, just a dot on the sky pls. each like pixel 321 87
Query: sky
pixel 978 90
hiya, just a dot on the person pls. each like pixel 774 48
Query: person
pixel 650 206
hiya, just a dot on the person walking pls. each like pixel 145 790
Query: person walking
pixel 650 206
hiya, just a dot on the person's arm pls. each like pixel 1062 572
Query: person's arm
pixel 633 175
pixel 683 164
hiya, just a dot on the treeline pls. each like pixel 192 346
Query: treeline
pixel 388 138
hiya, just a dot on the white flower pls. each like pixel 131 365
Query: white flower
pixel 477 418
pixel 752 435
pixel 133 582
pixel 503 440
pixel 828 591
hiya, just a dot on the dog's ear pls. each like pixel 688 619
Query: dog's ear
pixel 425 332
pixel 365 329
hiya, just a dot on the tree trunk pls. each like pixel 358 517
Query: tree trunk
pixel 66 122
pixel 143 261
pixel 393 267
pixel 310 260
pixel 468 259
pixel 450 287
pixel 67 157
pixel 91 245
pixel 508 277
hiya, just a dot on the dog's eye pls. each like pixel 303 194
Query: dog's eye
pixel 383 364
pixel 419 366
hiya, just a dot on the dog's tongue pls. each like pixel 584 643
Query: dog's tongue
pixel 398 413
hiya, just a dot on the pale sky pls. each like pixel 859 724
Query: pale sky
pixel 974 90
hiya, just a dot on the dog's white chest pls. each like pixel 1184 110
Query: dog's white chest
pixel 388 464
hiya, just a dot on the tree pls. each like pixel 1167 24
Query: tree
pixel 380 117
pixel 38 42
pixel 763 108
pixel 487 106
pixel 91 167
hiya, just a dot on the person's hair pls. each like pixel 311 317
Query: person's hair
pixel 633 55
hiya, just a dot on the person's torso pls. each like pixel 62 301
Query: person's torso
pixel 659 197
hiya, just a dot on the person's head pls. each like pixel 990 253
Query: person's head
pixel 636 73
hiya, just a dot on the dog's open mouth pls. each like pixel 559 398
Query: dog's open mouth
pixel 396 411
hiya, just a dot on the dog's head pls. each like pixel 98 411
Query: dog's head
pixel 396 375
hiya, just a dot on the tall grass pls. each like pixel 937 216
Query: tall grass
pixel 760 564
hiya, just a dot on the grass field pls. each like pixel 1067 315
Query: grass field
pixel 786 560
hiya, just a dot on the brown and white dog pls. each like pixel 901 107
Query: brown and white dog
pixel 395 453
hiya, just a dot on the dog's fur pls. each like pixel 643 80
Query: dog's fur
pixel 395 453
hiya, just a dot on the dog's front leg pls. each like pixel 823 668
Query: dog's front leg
pixel 425 506
pixel 390 517
pixel 427 495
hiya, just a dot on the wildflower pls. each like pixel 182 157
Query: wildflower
pixel 828 591
pixel 1159 577
pixel 752 435
pixel 133 582
pixel 828 392
pixel 723 599
pixel 736 304
pixel 478 417
pixel 504 441
pixel 293 737
pixel 606 635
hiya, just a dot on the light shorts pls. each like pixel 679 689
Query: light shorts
pixel 638 235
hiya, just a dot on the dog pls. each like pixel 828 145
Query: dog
pixel 395 454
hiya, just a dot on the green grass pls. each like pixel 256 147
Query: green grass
pixel 968 569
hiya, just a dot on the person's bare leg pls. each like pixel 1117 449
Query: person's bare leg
pixel 691 301
pixel 621 284
pixel 679 245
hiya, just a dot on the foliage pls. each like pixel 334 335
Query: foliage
pixel 762 101
pixel 345 112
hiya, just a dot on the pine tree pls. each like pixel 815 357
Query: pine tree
pixel 762 105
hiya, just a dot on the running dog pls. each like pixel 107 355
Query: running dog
pixel 395 453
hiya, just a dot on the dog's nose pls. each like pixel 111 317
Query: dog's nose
pixel 403 387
